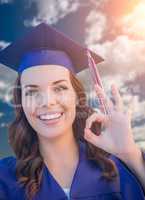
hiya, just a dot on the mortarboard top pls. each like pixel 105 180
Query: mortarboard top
pixel 45 45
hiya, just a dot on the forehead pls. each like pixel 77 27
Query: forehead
pixel 44 74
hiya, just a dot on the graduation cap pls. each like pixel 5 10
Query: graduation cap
pixel 44 45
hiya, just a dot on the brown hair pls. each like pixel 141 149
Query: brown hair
pixel 24 141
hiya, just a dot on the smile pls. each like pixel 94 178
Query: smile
pixel 50 118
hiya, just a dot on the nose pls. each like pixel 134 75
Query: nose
pixel 46 99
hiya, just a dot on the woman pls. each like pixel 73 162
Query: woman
pixel 57 154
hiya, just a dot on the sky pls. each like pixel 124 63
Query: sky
pixel 112 28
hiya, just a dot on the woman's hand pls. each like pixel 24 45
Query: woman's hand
pixel 117 138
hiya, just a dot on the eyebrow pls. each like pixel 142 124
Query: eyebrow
pixel 54 83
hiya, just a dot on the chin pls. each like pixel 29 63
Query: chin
pixel 50 133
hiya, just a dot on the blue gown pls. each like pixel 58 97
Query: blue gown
pixel 87 183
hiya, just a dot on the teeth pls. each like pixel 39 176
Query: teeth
pixel 50 116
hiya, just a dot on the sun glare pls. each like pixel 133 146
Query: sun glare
pixel 134 22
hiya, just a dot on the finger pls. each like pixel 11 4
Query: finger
pixel 117 98
pixel 99 117
pixel 100 92
pixel 109 104
pixel 129 111
pixel 103 99
pixel 92 138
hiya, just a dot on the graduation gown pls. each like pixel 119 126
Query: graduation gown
pixel 87 183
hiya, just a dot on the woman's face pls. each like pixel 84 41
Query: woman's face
pixel 48 100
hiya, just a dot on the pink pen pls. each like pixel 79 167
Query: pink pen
pixel 96 80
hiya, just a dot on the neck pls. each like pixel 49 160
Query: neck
pixel 59 150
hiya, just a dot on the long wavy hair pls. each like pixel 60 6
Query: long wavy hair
pixel 24 141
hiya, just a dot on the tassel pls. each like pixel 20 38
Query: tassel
pixel 96 80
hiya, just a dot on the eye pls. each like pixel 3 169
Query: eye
pixel 60 88
pixel 31 92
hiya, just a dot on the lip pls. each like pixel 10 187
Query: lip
pixel 52 121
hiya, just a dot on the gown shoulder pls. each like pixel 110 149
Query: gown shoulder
pixel 129 182
pixel 8 180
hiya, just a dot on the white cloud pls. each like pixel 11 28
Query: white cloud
pixel 3 44
pixel 96 4
pixel 139 136
pixel 2 125
pixel 1 114
pixel 122 56
pixel 7 75
pixel 6 91
pixel 50 11
pixel 3 88
pixel 7 79
pixel 3 85
pixel 96 25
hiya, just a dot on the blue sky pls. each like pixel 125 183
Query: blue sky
pixel 12 16
pixel 17 17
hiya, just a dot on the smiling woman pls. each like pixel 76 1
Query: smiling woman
pixel 60 151
pixel 46 128
pixel 53 101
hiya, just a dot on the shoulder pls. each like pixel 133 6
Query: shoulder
pixel 7 165
pixel 7 161
pixel 7 170
pixel 7 177
pixel 128 180
pixel 125 184
pixel 123 169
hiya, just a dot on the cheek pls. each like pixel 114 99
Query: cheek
pixel 29 107
pixel 69 103
pixel 30 116
pixel 69 99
